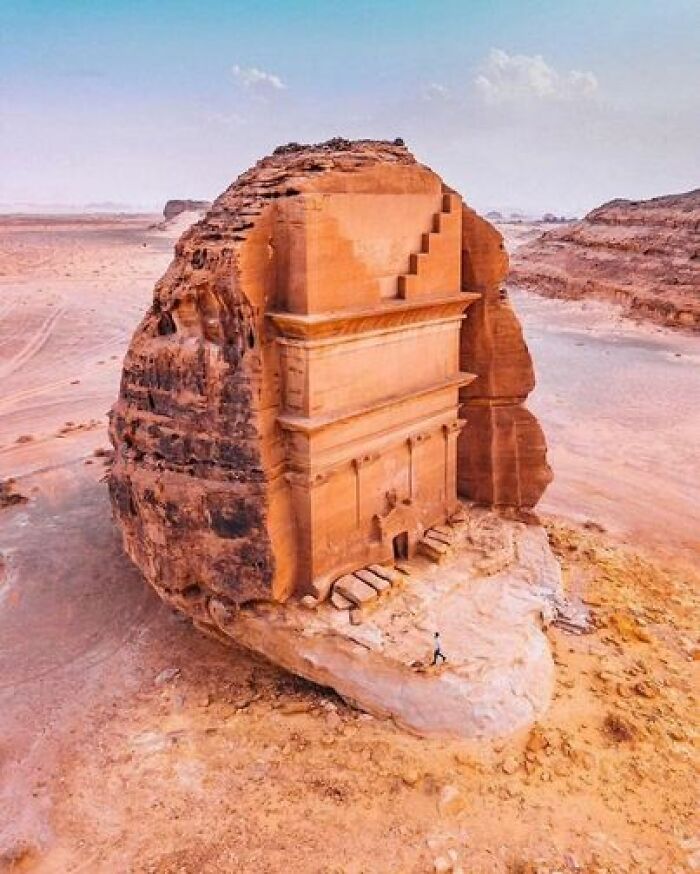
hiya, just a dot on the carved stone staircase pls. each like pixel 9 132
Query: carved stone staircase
pixel 363 588
pixel 436 269
pixel 437 543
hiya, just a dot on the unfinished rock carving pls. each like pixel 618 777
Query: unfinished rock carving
pixel 328 366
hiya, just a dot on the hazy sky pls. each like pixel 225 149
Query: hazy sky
pixel 533 104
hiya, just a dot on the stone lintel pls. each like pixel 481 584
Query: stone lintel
pixel 313 424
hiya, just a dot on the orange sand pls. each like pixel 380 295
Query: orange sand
pixel 130 743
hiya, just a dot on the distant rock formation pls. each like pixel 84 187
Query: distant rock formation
pixel 293 399
pixel 549 218
pixel 643 255
pixel 173 208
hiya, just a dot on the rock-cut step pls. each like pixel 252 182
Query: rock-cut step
pixel 363 586
pixel 436 543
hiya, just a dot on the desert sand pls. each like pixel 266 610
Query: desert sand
pixel 129 742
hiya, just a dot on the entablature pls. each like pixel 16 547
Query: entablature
pixel 392 313
pixel 313 424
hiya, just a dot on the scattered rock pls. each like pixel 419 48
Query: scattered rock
pixel 410 776
pixel 9 496
pixel 309 602
pixel 537 740
pixel 356 616
pixel 450 801
pixel 166 675
pixel 647 689
pixel 510 765
pixel 619 728
pixel 290 708
pixel 628 628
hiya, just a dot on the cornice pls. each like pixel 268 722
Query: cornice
pixel 387 314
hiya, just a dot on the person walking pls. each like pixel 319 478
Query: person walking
pixel 437 650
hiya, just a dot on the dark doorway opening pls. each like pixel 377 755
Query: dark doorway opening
pixel 401 546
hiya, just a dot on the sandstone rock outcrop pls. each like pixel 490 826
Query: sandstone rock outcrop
pixel 290 404
pixel 643 255
pixel 173 208
pixel 500 673
pixel 502 450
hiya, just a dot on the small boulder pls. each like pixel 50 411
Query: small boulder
pixel 450 801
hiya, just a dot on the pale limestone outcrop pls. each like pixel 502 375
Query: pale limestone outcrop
pixel 488 601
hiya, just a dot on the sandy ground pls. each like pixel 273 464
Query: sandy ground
pixel 130 743
pixel 620 403
pixel 621 408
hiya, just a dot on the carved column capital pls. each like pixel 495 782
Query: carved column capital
pixel 362 460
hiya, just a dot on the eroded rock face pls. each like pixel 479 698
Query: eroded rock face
pixel 173 208
pixel 499 674
pixel 241 474
pixel 643 255
pixel 502 450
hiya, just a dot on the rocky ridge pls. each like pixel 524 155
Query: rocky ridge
pixel 174 208
pixel 643 255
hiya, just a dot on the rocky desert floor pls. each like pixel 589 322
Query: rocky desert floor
pixel 130 743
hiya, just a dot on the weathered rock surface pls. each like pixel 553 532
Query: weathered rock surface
pixel 643 255
pixel 9 495
pixel 199 482
pixel 499 674
pixel 173 208
pixel 502 459
pixel 273 433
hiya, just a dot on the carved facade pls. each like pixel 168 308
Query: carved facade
pixel 293 405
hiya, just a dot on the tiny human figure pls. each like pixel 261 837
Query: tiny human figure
pixel 437 650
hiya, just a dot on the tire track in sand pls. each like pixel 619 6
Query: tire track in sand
pixel 33 346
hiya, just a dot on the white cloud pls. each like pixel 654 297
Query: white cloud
pixel 259 80
pixel 435 91
pixel 505 77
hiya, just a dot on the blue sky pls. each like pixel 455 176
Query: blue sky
pixel 541 105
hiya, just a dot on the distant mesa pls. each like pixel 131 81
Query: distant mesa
pixel 643 255
pixel 494 216
pixel 549 218
pixel 173 208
